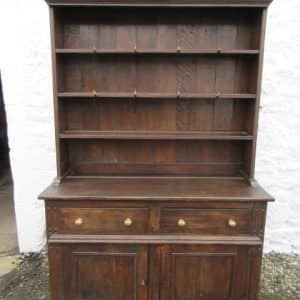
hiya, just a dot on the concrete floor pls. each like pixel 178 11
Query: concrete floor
pixel 8 231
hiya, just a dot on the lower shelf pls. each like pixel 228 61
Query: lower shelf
pixel 155 188
pixel 155 239
pixel 156 135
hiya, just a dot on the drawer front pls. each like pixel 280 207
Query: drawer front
pixel 103 220
pixel 206 221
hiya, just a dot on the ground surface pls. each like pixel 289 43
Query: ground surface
pixel 281 278
pixel 30 281
pixel 8 231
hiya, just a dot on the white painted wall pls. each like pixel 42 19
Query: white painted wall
pixel 26 73
pixel 25 64
pixel 278 149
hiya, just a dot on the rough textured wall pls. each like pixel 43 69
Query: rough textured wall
pixel 278 148
pixel 25 64
pixel 26 68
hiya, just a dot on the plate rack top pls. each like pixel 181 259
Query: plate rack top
pixel 162 3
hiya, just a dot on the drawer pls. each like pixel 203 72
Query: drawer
pixel 102 220
pixel 206 221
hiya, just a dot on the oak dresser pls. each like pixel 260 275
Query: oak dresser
pixel 156 111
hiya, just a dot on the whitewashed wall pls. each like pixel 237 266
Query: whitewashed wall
pixel 26 73
pixel 278 149
pixel 25 64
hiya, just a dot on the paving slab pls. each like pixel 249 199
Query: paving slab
pixel 8 230
pixel 8 267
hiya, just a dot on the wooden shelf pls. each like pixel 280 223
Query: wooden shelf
pixel 161 51
pixel 156 115
pixel 156 135
pixel 166 188
pixel 67 95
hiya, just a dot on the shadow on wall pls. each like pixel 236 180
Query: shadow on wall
pixel 8 231
pixel 4 150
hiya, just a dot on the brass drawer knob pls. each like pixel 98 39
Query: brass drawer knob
pixel 232 223
pixel 78 221
pixel 181 223
pixel 128 222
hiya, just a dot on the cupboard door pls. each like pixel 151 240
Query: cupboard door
pixel 106 272
pixel 205 272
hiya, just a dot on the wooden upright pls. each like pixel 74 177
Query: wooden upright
pixel 156 109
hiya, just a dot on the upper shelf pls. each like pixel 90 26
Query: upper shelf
pixel 108 95
pixel 162 3
pixel 155 51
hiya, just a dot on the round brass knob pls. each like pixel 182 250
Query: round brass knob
pixel 78 221
pixel 128 222
pixel 232 223
pixel 181 223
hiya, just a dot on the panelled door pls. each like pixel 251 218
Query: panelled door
pixel 105 272
pixel 206 272
pixel 162 272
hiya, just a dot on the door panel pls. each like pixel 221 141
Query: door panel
pixel 105 276
pixel 154 272
pixel 202 276
pixel 203 272
pixel 105 272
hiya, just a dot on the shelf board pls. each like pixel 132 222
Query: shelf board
pixel 160 51
pixel 143 95
pixel 166 188
pixel 156 135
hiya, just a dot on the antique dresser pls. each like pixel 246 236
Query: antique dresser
pixel 156 111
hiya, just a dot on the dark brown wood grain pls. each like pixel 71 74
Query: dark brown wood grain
pixel 104 217
pixel 102 272
pixel 120 56
pixel 203 272
pixel 155 188
pixel 157 74
pixel 150 239
pixel 102 220
pixel 205 221
pixel 156 110
pixel 184 3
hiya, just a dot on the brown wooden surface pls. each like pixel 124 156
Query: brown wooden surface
pixel 259 3
pixel 184 271
pixel 158 74
pixel 103 220
pixel 102 272
pixel 203 272
pixel 156 110
pixel 105 217
pixel 155 100
pixel 155 135
pixel 201 221
pixel 135 188
pixel 150 239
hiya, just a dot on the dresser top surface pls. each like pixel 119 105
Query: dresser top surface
pixel 212 3
pixel 158 188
